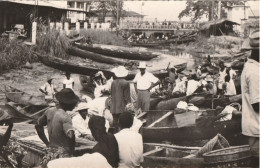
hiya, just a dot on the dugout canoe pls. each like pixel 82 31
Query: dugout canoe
pixel 64 65
pixel 95 57
pixel 24 113
pixel 162 155
pixel 117 53
pixel 23 98
pixel 157 130
pixel 199 100
pixel 36 151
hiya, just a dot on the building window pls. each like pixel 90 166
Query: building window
pixel 71 4
pixel 80 5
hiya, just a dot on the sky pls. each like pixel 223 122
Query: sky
pixel 168 10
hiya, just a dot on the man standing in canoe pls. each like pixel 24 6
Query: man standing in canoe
pixel 120 93
pixel 61 132
pixel 250 95
pixel 48 89
pixel 144 82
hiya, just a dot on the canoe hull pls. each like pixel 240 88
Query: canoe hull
pixel 131 55
pixel 160 134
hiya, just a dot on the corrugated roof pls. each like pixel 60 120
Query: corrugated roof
pixel 207 25
pixel 45 3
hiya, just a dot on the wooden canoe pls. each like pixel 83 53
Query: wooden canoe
pixel 24 113
pixel 170 156
pixel 142 44
pixel 35 151
pixel 95 57
pixel 118 53
pixel 64 65
pixel 23 98
pixel 199 100
pixel 157 131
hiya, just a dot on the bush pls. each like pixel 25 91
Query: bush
pixel 13 54
pixel 103 37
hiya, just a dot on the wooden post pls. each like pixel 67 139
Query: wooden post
pixel 77 26
pixel 51 25
pixel 66 28
pixel 86 25
pixel 34 32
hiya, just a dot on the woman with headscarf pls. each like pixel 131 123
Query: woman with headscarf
pixel 105 153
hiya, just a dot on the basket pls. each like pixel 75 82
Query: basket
pixel 227 155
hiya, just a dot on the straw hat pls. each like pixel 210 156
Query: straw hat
pixel 142 65
pixel 209 78
pixel 113 70
pixel 67 96
pixel 184 78
pixel 228 65
pixel 81 106
pixel 50 78
pixel 121 71
pixel 252 42
pixel 3 115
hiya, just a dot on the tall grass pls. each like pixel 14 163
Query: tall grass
pixel 14 54
pixel 52 42
pixel 103 37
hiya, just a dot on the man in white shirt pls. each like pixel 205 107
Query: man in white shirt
pixel 130 143
pixel 80 121
pixel 144 82
pixel 48 89
pixel 68 82
pixel 193 85
pixel 250 96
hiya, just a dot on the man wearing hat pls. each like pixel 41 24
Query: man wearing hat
pixel 210 86
pixel 120 93
pixel 250 94
pixel 48 89
pixel 59 124
pixel 144 82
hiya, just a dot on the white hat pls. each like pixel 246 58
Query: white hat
pixel 113 70
pixel 142 65
pixel 81 106
pixel 199 67
pixel 228 65
pixel 121 71
pixel 184 78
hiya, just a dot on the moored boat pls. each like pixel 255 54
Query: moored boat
pixel 118 53
pixel 95 57
pixel 157 155
pixel 23 98
pixel 162 126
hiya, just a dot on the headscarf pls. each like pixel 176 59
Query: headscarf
pixel 107 144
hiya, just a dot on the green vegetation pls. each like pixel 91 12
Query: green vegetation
pixel 104 37
pixel 52 42
pixel 14 54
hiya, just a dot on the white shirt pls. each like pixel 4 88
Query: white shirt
pixel 221 78
pixel 49 89
pixel 192 86
pixel 98 106
pixel 250 95
pixel 144 81
pixel 80 125
pixel 130 144
pixel 94 160
pixel 68 83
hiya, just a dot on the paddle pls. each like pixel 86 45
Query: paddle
pixel 160 119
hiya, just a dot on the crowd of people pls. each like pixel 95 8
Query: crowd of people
pixel 116 104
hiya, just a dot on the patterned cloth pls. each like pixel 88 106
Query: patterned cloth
pixel 53 153
pixel 14 152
